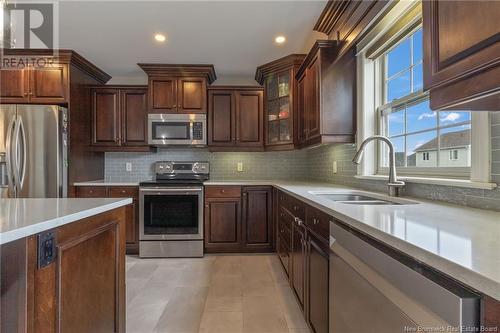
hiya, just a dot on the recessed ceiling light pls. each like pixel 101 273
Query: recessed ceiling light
pixel 160 38
pixel 280 39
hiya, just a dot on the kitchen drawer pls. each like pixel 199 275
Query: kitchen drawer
pixel 222 191
pixel 123 192
pixel 294 206
pixel 91 192
pixel 318 222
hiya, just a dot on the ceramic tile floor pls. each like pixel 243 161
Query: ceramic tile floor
pixel 215 294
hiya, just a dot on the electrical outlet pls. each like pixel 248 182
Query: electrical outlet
pixel 239 167
pixel 128 167
pixel 334 167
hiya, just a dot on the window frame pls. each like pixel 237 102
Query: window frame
pixel 367 100
pixel 380 84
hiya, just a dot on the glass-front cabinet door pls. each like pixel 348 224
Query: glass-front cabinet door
pixel 278 115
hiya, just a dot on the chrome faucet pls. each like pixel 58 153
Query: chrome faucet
pixel 394 184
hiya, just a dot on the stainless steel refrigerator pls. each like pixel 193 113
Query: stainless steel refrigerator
pixel 33 151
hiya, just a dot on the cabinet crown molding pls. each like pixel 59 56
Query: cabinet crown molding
pixel 206 70
pixel 63 56
pixel 332 47
pixel 330 16
pixel 278 65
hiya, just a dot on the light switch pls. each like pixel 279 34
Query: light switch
pixel 128 167
pixel 239 167
pixel 334 167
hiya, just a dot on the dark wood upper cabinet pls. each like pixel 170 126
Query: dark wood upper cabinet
pixel 192 95
pixel 327 96
pixel 249 115
pixel 133 117
pixel 49 85
pixel 106 117
pixel 41 85
pixel 14 85
pixel 221 117
pixel 280 116
pixel 461 54
pixel 119 118
pixel 162 97
pixel 178 88
pixel 235 116
pixel 258 230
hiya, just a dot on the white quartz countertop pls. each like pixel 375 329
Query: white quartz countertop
pixel 462 242
pixel 21 218
pixel 105 183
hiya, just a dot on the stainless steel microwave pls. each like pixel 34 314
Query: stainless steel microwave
pixel 177 129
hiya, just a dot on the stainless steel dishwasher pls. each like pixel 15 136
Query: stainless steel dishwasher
pixel 372 292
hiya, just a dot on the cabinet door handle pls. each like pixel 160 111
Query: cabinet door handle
pixel 25 94
pixel 315 221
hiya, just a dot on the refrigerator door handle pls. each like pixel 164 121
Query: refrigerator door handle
pixel 22 167
pixel 8 158
pixel 15 158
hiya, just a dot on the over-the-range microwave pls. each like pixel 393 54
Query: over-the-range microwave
pixel 177 129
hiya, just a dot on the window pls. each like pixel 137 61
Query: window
pixel 393 103
pixel 454 155
pixel 426 141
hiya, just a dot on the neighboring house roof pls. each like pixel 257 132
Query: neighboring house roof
pixel 448 140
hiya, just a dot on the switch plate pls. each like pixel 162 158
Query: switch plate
pixel 239 167
pixel 334 167
pixel 128 167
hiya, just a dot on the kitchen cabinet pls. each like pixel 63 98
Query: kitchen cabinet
pixel 178 88
pixel 309 258
pixel 40 85
pixel 222 219
pixel 81 290
pixel 280 117
pixel 132 210
pixel 235 118
pixel 327 95
pixel 298 259
pixel 317 277
pixel 283 239
pixel 461 48
pixel 119 118
pixel 238 219
pixel 257 222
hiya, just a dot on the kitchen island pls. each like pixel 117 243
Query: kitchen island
pixel 63 265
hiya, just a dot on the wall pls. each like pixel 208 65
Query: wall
pixel 260 166
pixel 321 159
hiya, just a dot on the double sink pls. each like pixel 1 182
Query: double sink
pixel 360 198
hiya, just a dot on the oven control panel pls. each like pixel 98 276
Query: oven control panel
pixel 182 167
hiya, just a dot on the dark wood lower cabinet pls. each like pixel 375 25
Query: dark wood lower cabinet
pixel 257 219
pixel 132 210
pixel 298 260
pixel 317 277
pixel 222 225
pixel 81 291
pixel 238 219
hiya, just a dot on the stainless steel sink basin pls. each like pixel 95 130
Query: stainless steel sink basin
pixel 358 198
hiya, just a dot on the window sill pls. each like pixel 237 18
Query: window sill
pixel 435 181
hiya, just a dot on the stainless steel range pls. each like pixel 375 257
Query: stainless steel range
pixel 171 210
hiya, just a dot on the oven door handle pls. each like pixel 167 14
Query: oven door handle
pixel 178 190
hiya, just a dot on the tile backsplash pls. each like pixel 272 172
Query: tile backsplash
pixel 309 164
pixel 289 165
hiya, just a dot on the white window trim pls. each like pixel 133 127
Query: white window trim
pixel 367 121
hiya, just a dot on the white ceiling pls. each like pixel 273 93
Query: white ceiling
pixel 235 36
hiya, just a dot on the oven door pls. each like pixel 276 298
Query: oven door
pixel 171 213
